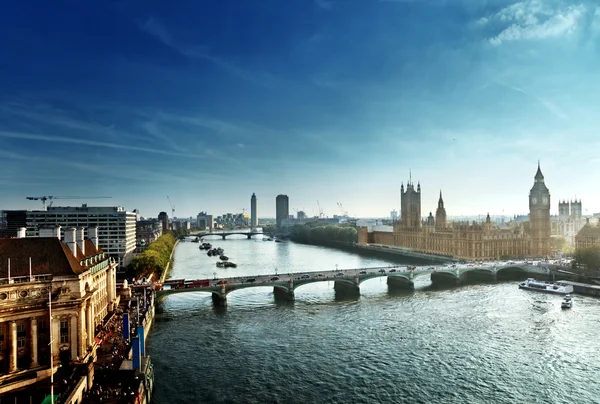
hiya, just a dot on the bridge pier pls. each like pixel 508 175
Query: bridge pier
pixel 223 236
pixel 400 282
pixel 283 294
pixel 346 288
pixel 219 300
pixel 249 236
pixel 219 297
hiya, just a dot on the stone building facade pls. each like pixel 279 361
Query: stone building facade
pixel 464 240
pixel 588 236
pixel 76 276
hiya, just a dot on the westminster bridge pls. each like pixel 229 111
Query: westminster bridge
pixel 224 234
pixel 349 280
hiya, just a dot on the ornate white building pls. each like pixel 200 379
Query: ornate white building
pixel 76 276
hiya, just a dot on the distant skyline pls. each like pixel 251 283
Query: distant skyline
pixel 326 100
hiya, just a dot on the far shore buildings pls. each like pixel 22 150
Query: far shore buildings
pixel 464 240
pixel 569 222
pixel 79 279
pixel 588 235
pixel 147 231
pixel 282 209
pixel 253 211
pixel 204 221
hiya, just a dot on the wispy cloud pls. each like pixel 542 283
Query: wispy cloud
pixel 85 142
pixel 550 106
pixel 534 19
pixel 153 27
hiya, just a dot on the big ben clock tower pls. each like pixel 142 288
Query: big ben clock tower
pixel 539 216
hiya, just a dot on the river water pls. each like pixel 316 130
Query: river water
pixel 488 343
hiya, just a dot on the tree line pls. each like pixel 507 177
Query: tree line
pixel 588 256
pixel 154 259
pixel 313 233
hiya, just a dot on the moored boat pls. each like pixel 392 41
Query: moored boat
pixel 224 258
pixel 546 287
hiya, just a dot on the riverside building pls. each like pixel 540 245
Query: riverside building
pixel 253 211
pixel 282 209
pixel 116 227
pixel 464 240
pixel 79 279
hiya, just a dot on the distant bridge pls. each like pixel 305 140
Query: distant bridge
pixel 349 280
pixel 247 233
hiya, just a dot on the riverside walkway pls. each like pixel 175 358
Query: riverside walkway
pixel 349 280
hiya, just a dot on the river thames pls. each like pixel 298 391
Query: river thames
pixel 489 343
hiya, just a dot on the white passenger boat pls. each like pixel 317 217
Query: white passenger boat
pixel 546 287
pixel 567 302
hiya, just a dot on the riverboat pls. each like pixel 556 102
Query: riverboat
pixel 567 302
pixel 224 258
pixel 546 287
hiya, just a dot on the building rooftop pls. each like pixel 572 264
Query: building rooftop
pixel 589 231
pixel 48 256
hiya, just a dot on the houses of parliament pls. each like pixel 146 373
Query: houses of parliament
pixel 464 240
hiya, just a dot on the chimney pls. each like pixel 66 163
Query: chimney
pixel 21 233
pixel 93 235
pixel 80 241
pixel 50 231
pixel 70 240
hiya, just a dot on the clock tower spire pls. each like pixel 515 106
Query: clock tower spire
pixel 539 216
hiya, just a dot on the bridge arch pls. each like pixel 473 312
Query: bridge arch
pixel 512 272
pixel 474 275
pixel 444 277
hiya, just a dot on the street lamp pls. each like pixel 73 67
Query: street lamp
pixel 51 351
pixel 276 271
pixel 336 267
pixel 215 274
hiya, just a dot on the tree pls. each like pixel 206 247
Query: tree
pixel 588 256
pixel 315 233
pixel 154 259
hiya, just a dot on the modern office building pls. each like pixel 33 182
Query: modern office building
pixel 282 209
pixel 77 277
pixel 116 226
pixel 146 231
pixel 253 211
pixel 205 221
pixel 164 219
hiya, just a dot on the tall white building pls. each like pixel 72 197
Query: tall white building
pixel 253 211
pixel 116 226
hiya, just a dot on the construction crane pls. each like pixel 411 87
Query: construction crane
pixel 172 208
pixel 320 209
pixel 344 213
pixel 51 198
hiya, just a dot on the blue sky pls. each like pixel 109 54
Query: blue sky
pixel 329 100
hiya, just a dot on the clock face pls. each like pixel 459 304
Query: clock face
pixel 534 200
pixel 545 200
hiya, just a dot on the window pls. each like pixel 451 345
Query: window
pixel 64 332
pixel 21 342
